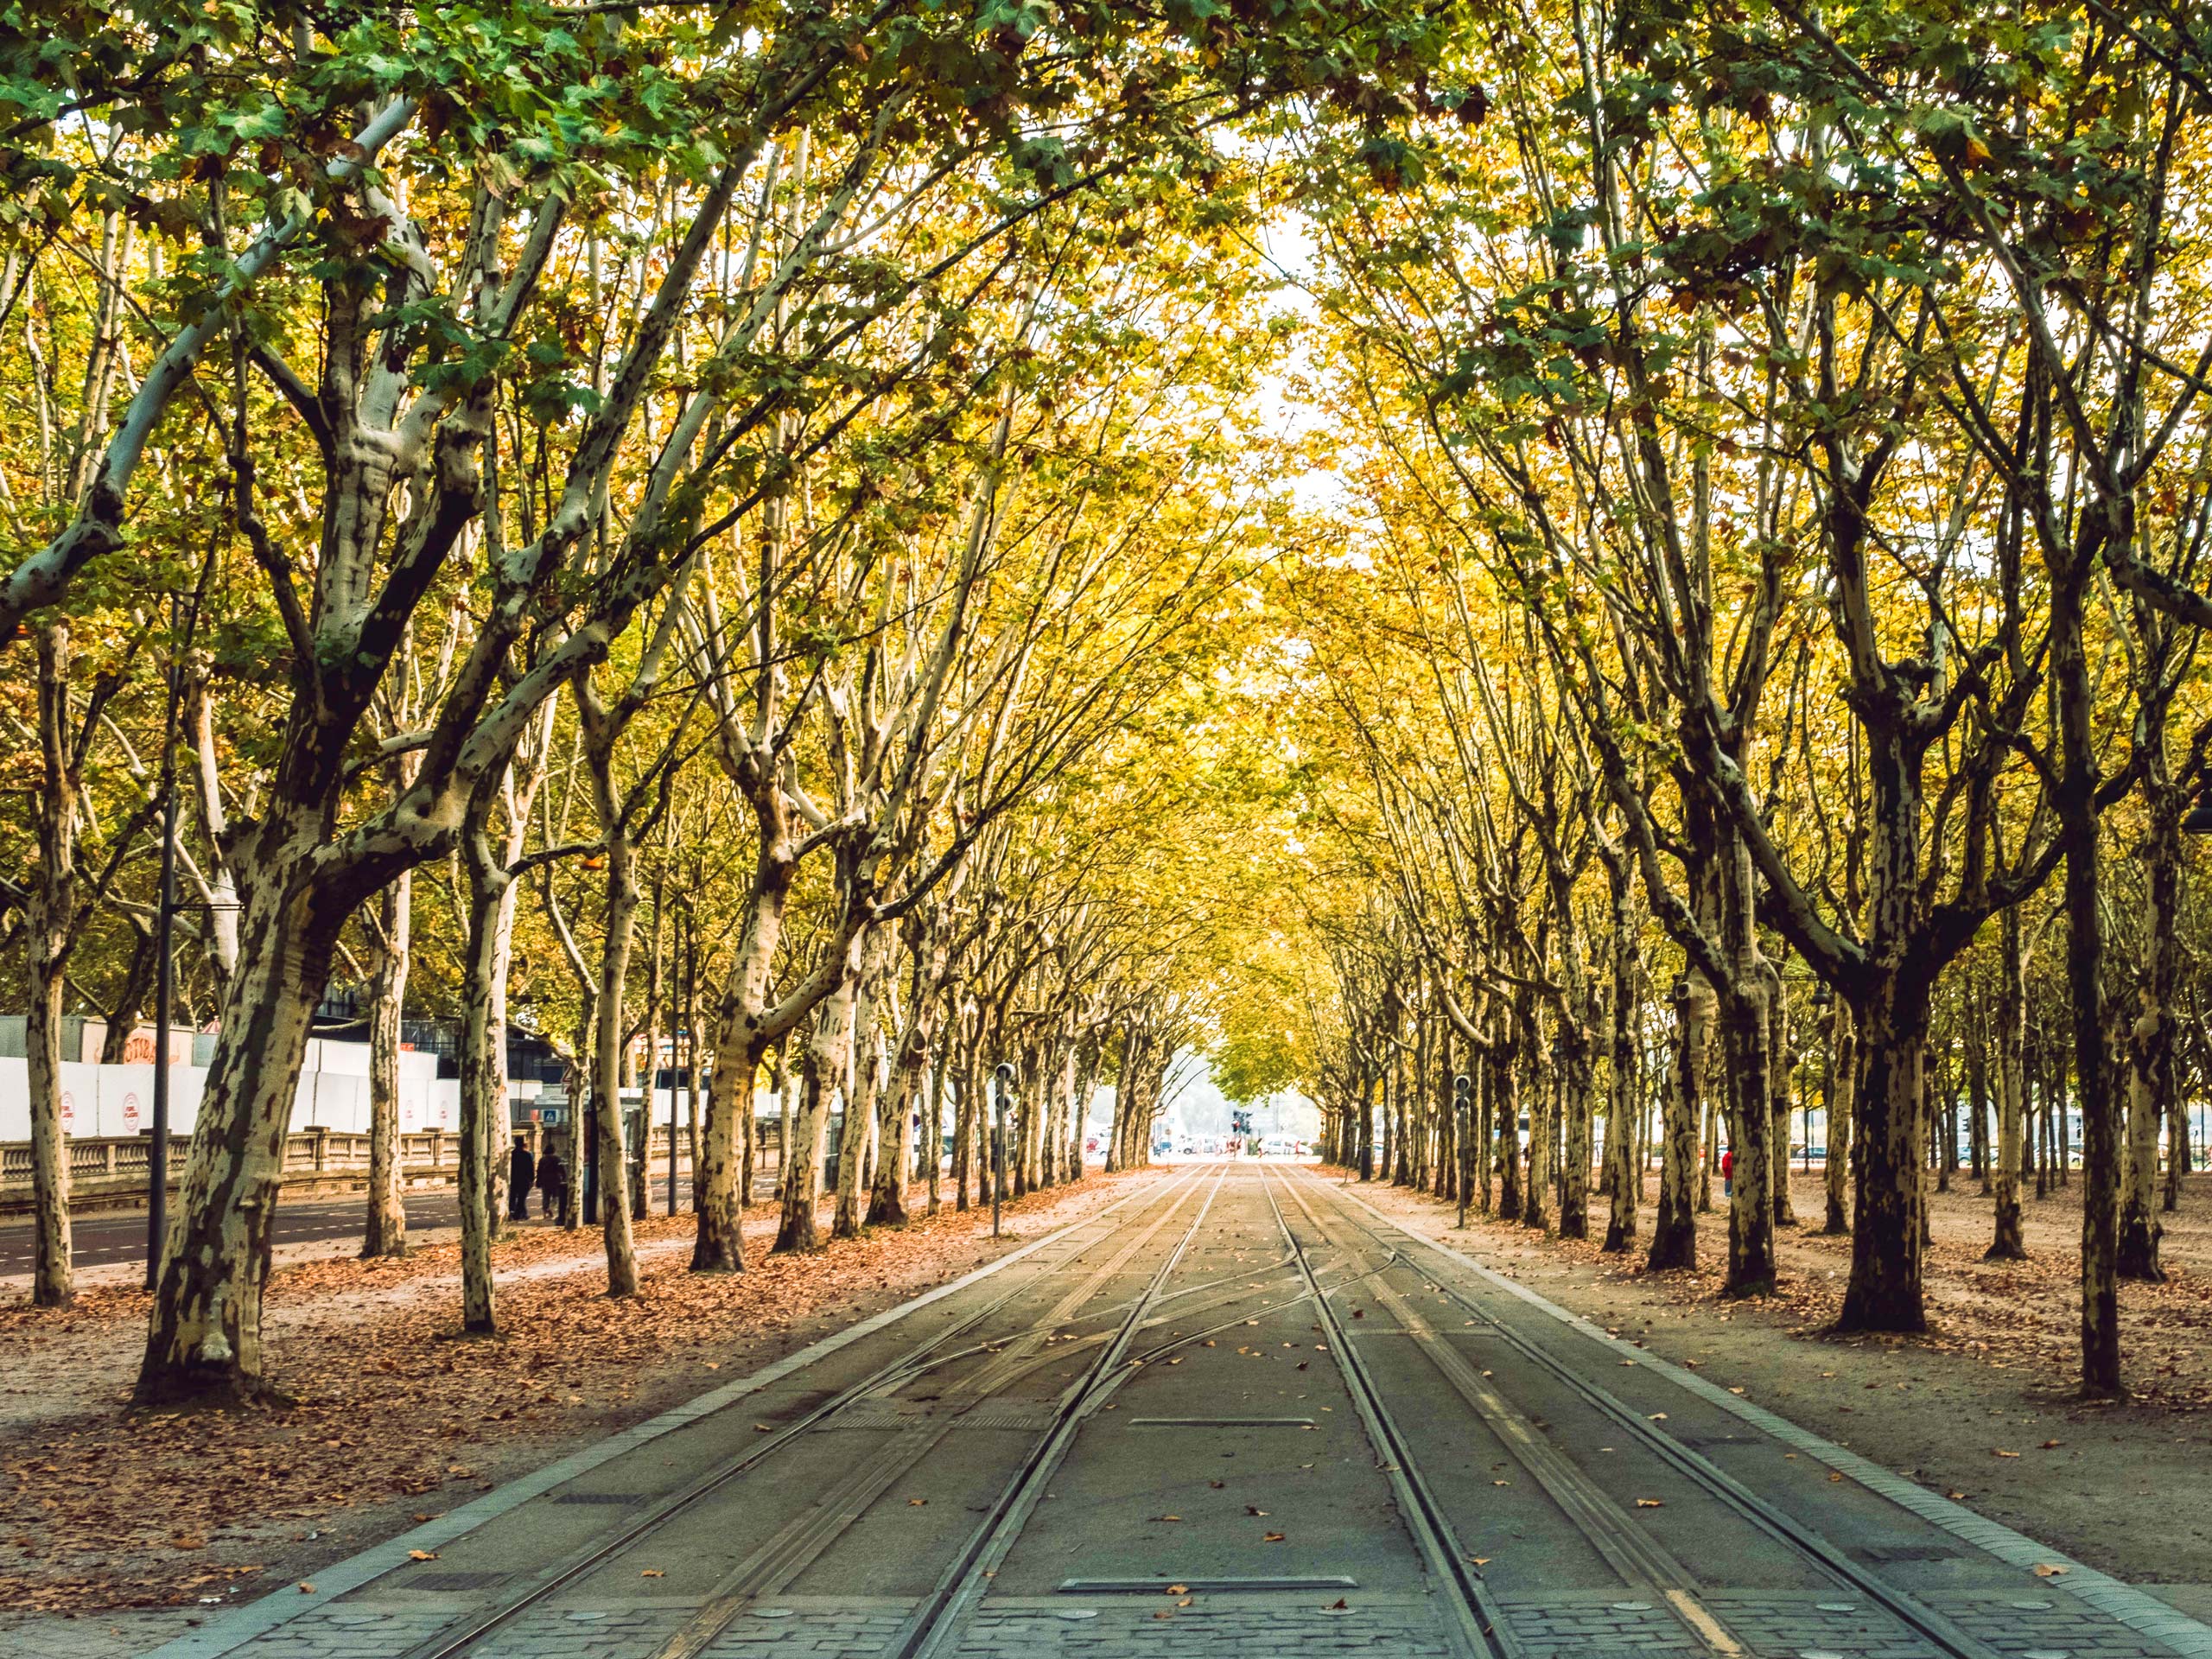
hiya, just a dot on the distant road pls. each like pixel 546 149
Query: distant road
pixel 109 1237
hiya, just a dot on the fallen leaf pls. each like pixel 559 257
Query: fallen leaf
pixel 306 1589
pixel 1272 1538
pixel 916 1502
pixel 1178 1589
pixel 2051 1570
pixel 1650 1503
pixel 2052 1446
pixel 651 1573
pixel 1999 1452
pixel 1254 1509
pixel 421 1555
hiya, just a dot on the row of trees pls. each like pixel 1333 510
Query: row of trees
pixel 553 496
pixel 1766 610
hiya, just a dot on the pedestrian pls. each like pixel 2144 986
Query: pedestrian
pixel 1728 1173
pixel 553 1181
pixel 522 1175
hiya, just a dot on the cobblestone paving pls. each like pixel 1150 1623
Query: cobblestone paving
pixel 342 1632
pixel 810 1628
pixel 2036 1621
pixel 1609 1622
pixel 1785 1626
pixel 1246 1628
pixel 95 1636
pixel 610 1632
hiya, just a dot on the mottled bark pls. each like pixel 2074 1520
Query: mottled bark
pixel 385 1228
pixel 48 925
pixel 1674 1222
pixel 1842 1099
pixel 822 1074
pixel 2011 1046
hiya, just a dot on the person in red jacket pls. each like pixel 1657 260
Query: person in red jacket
pixel 1728 1172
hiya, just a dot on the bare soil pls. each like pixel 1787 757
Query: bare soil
pixel 391 1416
pixel 1984 1408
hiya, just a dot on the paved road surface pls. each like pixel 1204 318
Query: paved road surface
pixel 1151 1437
pixel 107 1237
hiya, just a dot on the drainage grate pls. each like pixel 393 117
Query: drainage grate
pixel 1159 1587
pixel 600 1497
pixel 454 1581
pixel 1221 1423
pixel 1885 1554
pixel 1025 1415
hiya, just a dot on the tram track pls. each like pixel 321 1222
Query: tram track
pixel 1476 1629
pixel 933 1630
pixel 793 1547
pixel 1643 1564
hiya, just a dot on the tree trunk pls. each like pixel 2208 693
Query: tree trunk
pixel 741 1041
pixel 49 921
pixel 2077 821
pixel 1842 1105
pixel 1625 1109
pixel 385 1230
pixel 609 1043
pixel 483 1073
pixel 822 1072
pixel 1674 1224
pixel 1750 1206
pixel 203 1340
pixel 52 1282
pixel 2007 1244
pixel 1884 1291
pixel 1778 1077
pixel 1536 1190
pixel 1506 1080
pixel 864 1084
pixel 2152 1074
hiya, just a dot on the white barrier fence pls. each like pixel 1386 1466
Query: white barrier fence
pixel 118 1100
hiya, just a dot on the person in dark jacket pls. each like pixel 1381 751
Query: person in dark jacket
pixel 522 1175
pixel 552 1180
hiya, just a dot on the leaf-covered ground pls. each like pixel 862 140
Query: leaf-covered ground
pixel 1984 1407
pixel 392 1417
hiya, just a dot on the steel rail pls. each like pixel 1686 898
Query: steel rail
pixel 933 1629
pixel 458 1639
pixel 1476 1627
pixel 1717 1482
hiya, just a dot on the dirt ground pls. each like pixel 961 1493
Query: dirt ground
pixel 394 1417
pixel 1984 1407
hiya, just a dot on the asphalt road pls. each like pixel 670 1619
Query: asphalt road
pixel 1234 1415
pixel 107 1238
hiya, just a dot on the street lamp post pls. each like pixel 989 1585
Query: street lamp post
pixel 1000 1079
pixel 1461 1089
pixel 1823 1000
